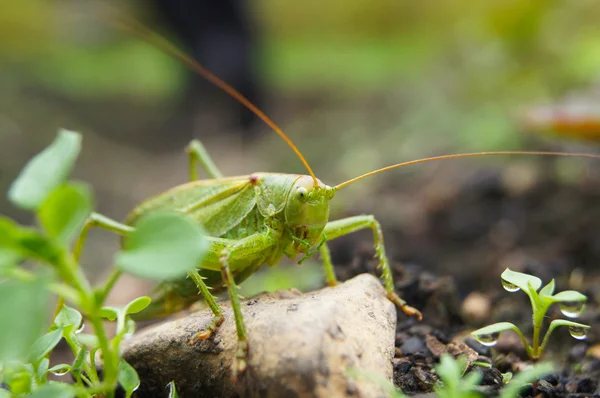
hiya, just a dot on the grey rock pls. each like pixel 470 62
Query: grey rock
pixel 301 345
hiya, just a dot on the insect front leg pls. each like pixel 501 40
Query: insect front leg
pixel 99 221
pixel 328 265
pixel 348 225
pixel 198 154
pixel 212 304
pixel 230 257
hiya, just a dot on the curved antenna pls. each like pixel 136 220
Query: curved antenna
pixel 464 155
pixel 163 44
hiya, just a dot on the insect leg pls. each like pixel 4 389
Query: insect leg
pixel 100 221
pixel 348 225
pixel 328 265
pixel 255 248
pixel 198 154
pixel 216 309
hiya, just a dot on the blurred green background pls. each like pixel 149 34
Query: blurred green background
pixel 356 84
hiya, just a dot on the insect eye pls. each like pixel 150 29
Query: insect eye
pixel 302 193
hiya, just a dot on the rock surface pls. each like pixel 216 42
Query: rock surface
pixel 301 345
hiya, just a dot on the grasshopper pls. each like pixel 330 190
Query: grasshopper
pixel 253 220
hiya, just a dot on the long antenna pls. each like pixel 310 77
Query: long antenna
pixel 157 40
pixel 464 155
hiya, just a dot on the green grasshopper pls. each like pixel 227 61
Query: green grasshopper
pixel 252 220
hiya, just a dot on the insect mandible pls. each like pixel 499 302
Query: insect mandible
pixel 253 220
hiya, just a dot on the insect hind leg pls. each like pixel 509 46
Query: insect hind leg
pixel 335 229
pixel 198 154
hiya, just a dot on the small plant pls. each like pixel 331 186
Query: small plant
pixel 161 246
pixel 454 383
pixel 571 305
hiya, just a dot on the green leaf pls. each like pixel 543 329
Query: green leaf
pixel 577 330
pixel 43 368
pixel 23 308
pixel 495 328
pixel 44 345
pixel 60 370
pixel 172 390
pixel 20 242
pixel 128 377
pixel 68 318
pixel 46 171
pixel 4 393
pixel 18 379
pixel 65 210
pixel 137 305
pixel 9 258
pixel 569 296
pixel 79 359
pixel 89 340
pixel 110 313
pixel 548 290
pixel 163 246
pixel 521 280
pixel 530 375
pixel 450 371
pixel 54 390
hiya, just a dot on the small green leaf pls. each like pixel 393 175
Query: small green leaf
pixel 576 330
pixel 495 328
pixel 548 290
pixel 110 313
pixel 569 296
pixel 22 314
pixel 10 235
pixel 60 370
pixel 172 390
pixel 137 305
pixel 22 242
pixel 46 171
pixel 163 246
pixel 54 390
pixel 89 340
pixel 65 210
pixel 4 393
pixel 128 377
pixel 521 280
pixel 68 318
pixel 79 359
pixel 44 345
pixel 530 375
pixel 18 379
pixel 9 258
pixel 43 368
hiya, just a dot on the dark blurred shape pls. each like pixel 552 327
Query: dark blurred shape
pixel 217 33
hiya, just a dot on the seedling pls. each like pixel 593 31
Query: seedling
pixel 455 383
pixel 571 305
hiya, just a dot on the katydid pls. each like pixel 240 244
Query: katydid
pixel 253 220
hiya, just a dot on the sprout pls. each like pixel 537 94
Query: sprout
pixel 571 304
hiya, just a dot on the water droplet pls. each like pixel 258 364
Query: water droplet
pixel 510 287
pixel 572 309
pixel 61 371
pixel 488 340
pixel 578 332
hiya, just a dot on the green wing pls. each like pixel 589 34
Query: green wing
pixel 218 205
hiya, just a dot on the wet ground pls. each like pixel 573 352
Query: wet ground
pixel 448 265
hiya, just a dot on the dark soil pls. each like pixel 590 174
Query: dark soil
pixel 549 228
